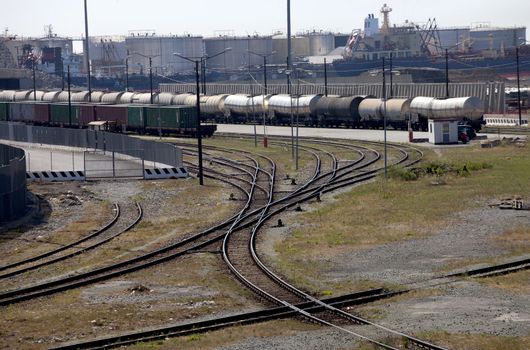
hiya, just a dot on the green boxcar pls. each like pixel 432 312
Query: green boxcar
pixel 136 117
pixel 59 114
pixel 4 111
pixel 171 117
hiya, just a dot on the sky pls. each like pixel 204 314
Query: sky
pixel 243 17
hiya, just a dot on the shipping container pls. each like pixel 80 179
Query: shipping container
pixel 4 111
pixel 60 114
pixel 30 112
pixel 112 113
pixel 171 118
pixel 136 117
pixel 87 114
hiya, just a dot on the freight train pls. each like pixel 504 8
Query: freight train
pixel 116 109
pixel 308 110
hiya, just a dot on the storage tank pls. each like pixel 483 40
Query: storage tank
pixel 237 104
pixel 127 97
pixel 164 98
pixel 161 49
pixel 321 43
pixel 213 104
pixel 96 96
pixel 81 96
pixel 284 104
pixel 346 107
pixel 471 108
pixel 63 96
pixel 145 98
pixel 322 106
pixel 111 98
pixel 51 96
pixel 370 109
pixel 261 103
pixel 239 55
pixel 179 100
pixel 7 95
pixel 304 104
pixel 397 109
pixel 23 95
pixel 422 105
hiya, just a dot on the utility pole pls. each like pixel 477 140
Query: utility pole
pixel 325 78
pixel 69 98
pixel 34 79
pixel 199 131
pixel 384 115
pixel 446 73
pixel 518 87
pixel 151 77
pixel 391 78
pixel 127 74
pixel 87 56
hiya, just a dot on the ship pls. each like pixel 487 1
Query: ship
pixel 426 46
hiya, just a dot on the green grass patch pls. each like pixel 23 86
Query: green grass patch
pixel 394 210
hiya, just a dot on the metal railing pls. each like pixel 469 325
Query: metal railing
pixel 152 151
pixel 12 182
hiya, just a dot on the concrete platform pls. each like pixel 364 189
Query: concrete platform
pixel 339 133
pixel 60 158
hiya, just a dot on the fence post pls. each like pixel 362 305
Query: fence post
pixel 143 166
pixel 29 162
pixel 84 164
pixel 51 160
pixel 113 165
pixel 73 161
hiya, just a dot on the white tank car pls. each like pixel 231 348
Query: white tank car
pixel 471 108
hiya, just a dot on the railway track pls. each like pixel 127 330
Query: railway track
pixel 116 227
pixel 193 242
pixel 242 259
pixel 261 208
pixel 64 247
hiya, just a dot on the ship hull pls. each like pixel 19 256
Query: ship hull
pixel 504 66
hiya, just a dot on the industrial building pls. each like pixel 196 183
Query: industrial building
pixel 143 46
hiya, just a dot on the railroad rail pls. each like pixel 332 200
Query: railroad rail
pixel 81 249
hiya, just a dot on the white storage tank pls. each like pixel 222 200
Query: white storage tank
pixel 127 97
pixel 81 96
pixel 51 96
pixel 370 109
pixel 111 97
pixel 397 109
pixel 7 95
pixel 23 95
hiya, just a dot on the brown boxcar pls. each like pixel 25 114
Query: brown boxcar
pixel 115 113
pixel 86 114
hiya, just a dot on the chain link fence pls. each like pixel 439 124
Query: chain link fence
pixel 119 148
pixel 104 164
pixel 12 182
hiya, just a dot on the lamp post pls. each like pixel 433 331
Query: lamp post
pixel 69 98
pixel 391 80
pixel 87 56
pixel 264 56
pixel 446 73
pixel 518 86
pixel 325 78
pixel 127 74
pixel 519 107
pixel 34 79
pixel 197 61
pixel 150 57
pixel 384 115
